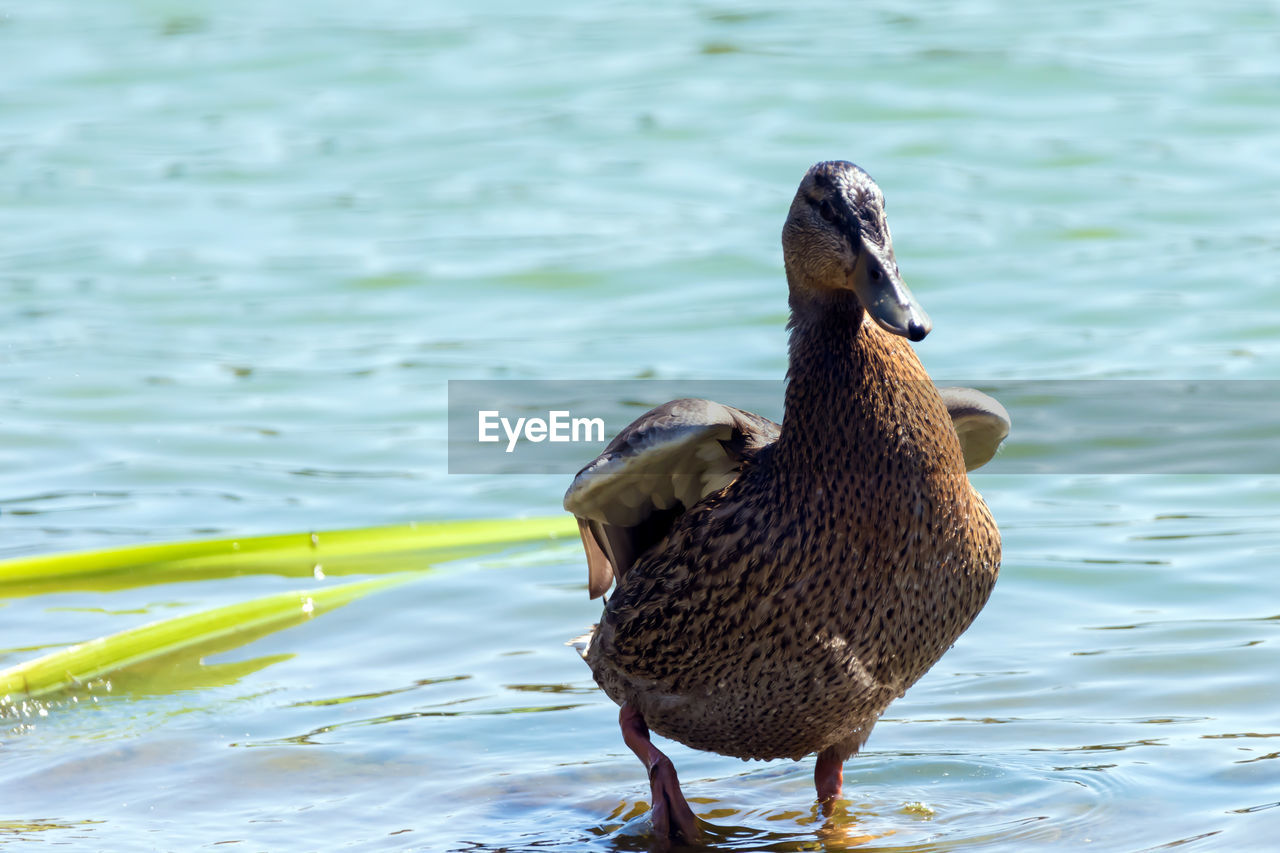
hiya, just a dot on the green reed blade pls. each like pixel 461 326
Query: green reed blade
pixel 226 627
pixel 371 550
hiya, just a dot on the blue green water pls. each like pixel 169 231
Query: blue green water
pixel 243 248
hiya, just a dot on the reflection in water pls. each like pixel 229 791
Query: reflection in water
pixel 360 697
pixel 22 830
pixel 312 738
pixel 789 831
pixel 1259 808
pixel 572 689
pixel 1103 747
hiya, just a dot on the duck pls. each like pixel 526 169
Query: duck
pixel 777 586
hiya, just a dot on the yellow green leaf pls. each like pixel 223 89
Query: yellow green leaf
pixel 371 550
pixel 226 627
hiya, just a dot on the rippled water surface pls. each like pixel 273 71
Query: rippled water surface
pixel 243 247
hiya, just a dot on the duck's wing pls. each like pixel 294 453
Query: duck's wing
pixel 671 457
pixel 980 422
pixel 667 460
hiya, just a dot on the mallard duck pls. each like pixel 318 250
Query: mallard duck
pixel 779 585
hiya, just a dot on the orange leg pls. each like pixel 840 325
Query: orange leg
pixel 672 818
pixel 828 776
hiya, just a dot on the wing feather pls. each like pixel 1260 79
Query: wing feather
pixel 980 422
pixel 666 461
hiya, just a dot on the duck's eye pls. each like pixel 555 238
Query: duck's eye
pixel 826 212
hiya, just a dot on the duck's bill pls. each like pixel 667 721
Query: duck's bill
pixel 885 297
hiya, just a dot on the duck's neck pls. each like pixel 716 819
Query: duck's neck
pixel 851 389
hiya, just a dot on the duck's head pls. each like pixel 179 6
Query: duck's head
pixel 836 243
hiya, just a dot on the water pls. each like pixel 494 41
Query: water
pixel 243 248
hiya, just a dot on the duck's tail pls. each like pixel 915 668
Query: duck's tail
pixel 583 643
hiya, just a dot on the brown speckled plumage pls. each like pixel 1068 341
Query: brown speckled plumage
pixel 782 613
